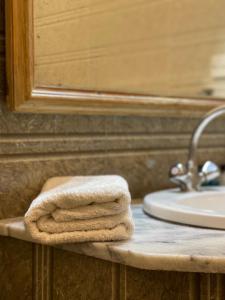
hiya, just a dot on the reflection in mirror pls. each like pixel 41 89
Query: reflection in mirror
pixel 165 48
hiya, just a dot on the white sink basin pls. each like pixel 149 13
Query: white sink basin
pixel 205 208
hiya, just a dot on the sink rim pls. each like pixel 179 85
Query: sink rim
pixel 167 205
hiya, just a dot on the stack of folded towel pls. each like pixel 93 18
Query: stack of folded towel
pixel 81 209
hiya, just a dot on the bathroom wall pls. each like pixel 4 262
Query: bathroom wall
pixel 35 147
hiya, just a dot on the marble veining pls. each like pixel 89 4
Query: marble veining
pixel 156 245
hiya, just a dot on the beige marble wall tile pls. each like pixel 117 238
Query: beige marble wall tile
pixel 34 147
pixel 146 171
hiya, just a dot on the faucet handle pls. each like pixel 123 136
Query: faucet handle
pixel 179 175
pixel 209 171
pixel 177 170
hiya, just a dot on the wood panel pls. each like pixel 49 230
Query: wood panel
pixel 42 272
pixel 212 286
pixel 106 70
pixel 158 285
pixel 15 269
pixel 2 49
pixel 81 277
pixel 32 271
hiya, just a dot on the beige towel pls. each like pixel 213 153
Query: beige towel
pixel 81 209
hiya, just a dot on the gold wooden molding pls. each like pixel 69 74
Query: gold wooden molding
pixel 24 96
pixel 42 272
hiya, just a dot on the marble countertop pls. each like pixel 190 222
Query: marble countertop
pixel 156 245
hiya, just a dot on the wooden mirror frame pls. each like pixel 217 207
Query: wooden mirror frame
pixel 23 96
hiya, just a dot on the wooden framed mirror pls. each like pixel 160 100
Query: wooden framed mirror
pixel 115 57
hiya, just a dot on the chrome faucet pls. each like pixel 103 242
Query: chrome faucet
pixel 186 175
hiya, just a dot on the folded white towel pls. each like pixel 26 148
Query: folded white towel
pixel 81 208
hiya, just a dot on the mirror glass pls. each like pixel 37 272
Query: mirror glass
pixel 150 47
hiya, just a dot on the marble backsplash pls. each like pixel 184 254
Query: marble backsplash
pixel 34 147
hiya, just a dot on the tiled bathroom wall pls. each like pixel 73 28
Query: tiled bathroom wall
pixel 34 147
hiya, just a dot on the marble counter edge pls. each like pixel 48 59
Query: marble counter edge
pixel 114 252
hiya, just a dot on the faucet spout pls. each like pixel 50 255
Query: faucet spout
pixel 190 179
pixel 205 121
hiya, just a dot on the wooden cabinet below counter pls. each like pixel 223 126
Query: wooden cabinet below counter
pixel 32 271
